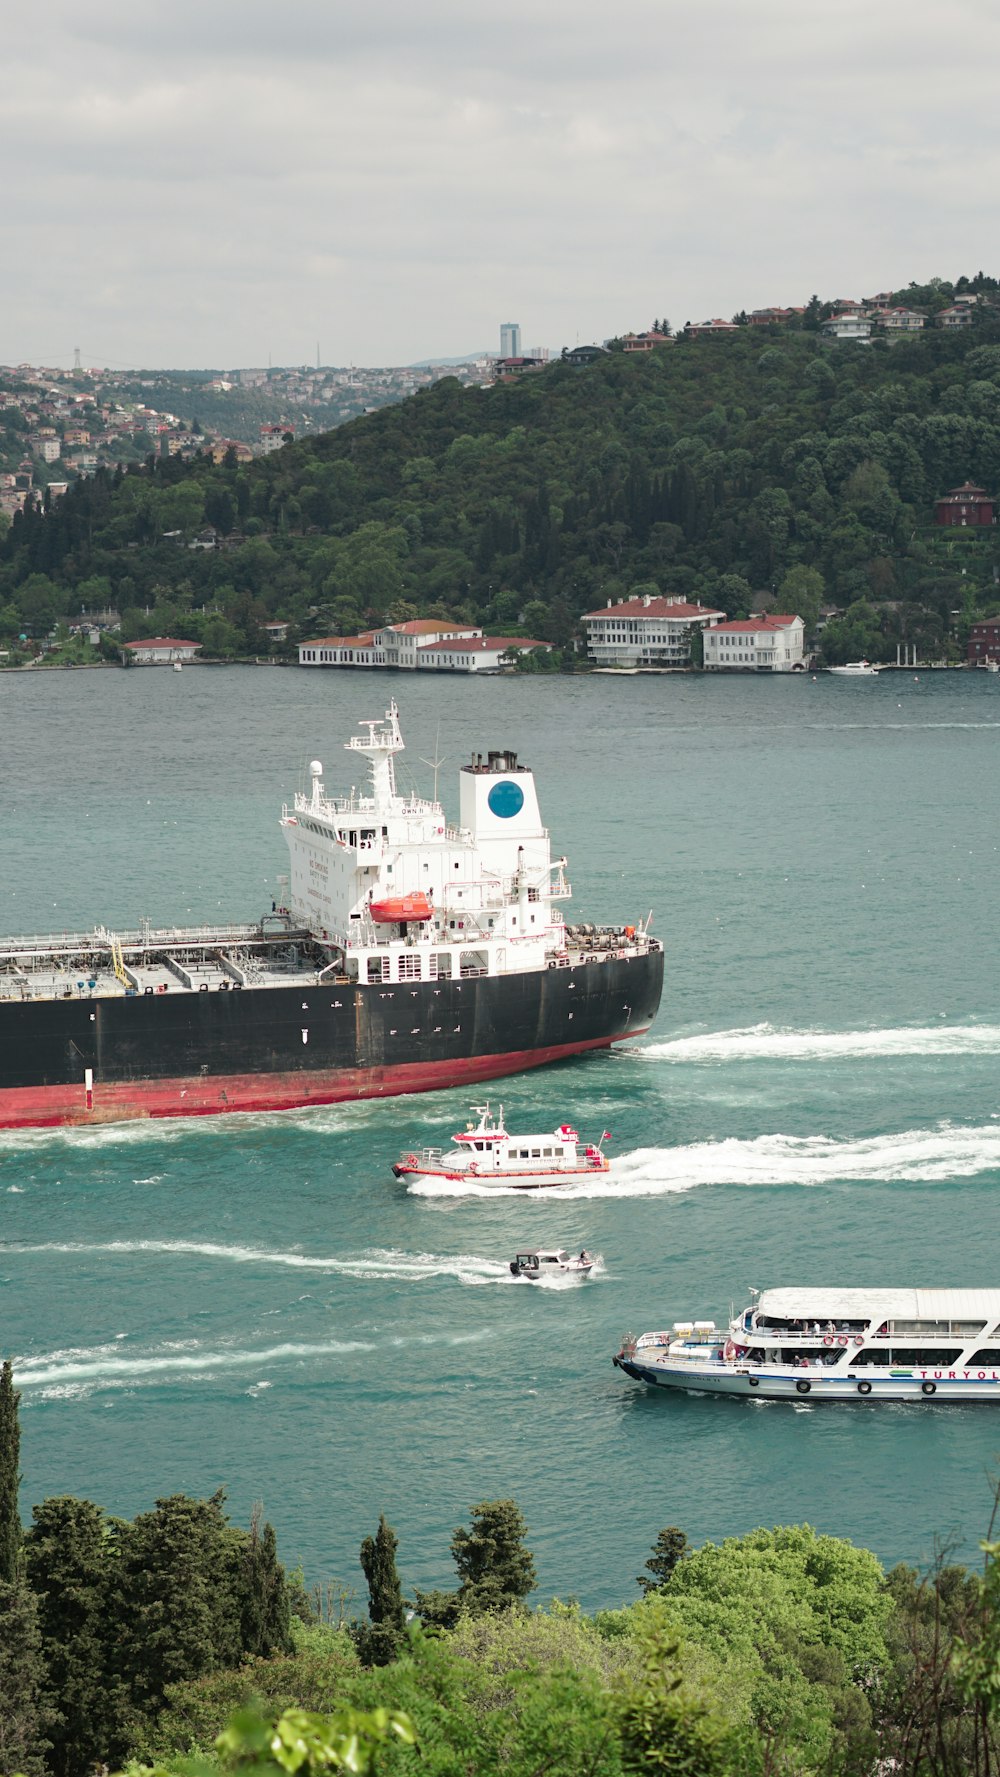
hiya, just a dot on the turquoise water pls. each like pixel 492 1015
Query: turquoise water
pixel 255 1302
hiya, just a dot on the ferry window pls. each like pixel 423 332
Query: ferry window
pixel 546 1153
pixel 986 1356
pixel 558 1152
pixel 536 1153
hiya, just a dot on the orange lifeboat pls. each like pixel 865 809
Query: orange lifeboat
pixel 401 907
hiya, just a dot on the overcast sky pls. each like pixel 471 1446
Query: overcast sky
pixel 220 182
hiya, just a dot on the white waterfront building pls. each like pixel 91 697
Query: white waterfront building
pixel 756 644
pixel 395 644
pixel 479 654
pixel 645 631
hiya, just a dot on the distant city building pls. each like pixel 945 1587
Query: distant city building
pixel 645 631
pixel 710 329
pixel 273 437
pixel 510 339
pixel 755 644
pixel 509 369
pixel 965 505
pixel 848 325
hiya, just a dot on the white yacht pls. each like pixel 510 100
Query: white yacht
pixel 833 1345
pixel 486 1154
pixel 856 669
pixel 551 1261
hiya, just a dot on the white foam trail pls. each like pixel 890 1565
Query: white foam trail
pixel 763 1042
pixel 926 1155
pixel 109 1367
pixel 386 1264
pixel 330 1119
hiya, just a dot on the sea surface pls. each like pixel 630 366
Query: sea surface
pixel 254 1302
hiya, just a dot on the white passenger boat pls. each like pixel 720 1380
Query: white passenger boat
pixel 551 1261
pixel 856 669
pixel 486 1154
pixel 833 1345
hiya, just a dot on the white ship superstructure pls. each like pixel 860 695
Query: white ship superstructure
pixel 491 888
pixel 834 1344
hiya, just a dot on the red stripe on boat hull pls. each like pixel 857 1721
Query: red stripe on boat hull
pixel 41 1107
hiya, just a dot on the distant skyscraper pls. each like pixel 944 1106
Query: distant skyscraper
pixel 510 339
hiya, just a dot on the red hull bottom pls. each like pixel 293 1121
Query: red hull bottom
pixel 45 1107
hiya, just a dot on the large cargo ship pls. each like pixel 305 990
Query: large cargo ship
pixel 404 953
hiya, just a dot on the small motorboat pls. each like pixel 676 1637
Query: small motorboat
pixel 178 667
pixel 551 1261
pixel 399 909
pixel 486 1154
pixel 856 669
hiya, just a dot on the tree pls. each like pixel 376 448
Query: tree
pixel 22 1742
pixel 494 1567
pixel 381 1638
pixel 801 594
pixel 669 1548
pixel 67 1557
pixel 265 1609
pixel 10 1478
pixel 180 1601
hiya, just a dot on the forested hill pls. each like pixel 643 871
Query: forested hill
pixel 712 468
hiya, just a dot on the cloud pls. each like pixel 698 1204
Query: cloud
pixel 208 184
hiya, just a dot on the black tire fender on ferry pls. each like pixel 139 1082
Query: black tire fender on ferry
pixel 754 1381
pixel 802 1386
pixel 928 1388
pixel 864 1388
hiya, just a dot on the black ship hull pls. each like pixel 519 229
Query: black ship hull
pixel 105 1059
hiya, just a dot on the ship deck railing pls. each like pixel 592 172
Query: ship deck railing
pixel 146 938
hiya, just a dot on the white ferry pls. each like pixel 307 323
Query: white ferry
pixel 833 1345
pixel 486 1154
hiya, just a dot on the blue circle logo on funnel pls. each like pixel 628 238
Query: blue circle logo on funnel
pixel 506 799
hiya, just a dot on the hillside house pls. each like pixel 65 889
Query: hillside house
pixel 757 644
pixel 965 506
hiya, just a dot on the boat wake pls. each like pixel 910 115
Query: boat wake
pixel 379 1264
pixel 61 1375
pixel 916 1155
pixel 763 1042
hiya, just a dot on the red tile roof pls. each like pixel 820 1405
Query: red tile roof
pixel 661 607
pixel 426 626
pixel 161 642
pixel 750 624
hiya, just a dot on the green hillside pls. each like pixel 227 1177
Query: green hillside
pixel 713 469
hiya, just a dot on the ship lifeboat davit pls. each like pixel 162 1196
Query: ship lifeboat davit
pixel 401 907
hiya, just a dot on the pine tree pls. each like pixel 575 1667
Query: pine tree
pixel 180 1602
pixel 670 1548
pixel 10 1450
pixel 381 1638
pixel 265 1615
pixel 494 1567
pixel 67 1558
pixel 22 1672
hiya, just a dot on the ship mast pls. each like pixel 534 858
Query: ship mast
pixel 383 741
